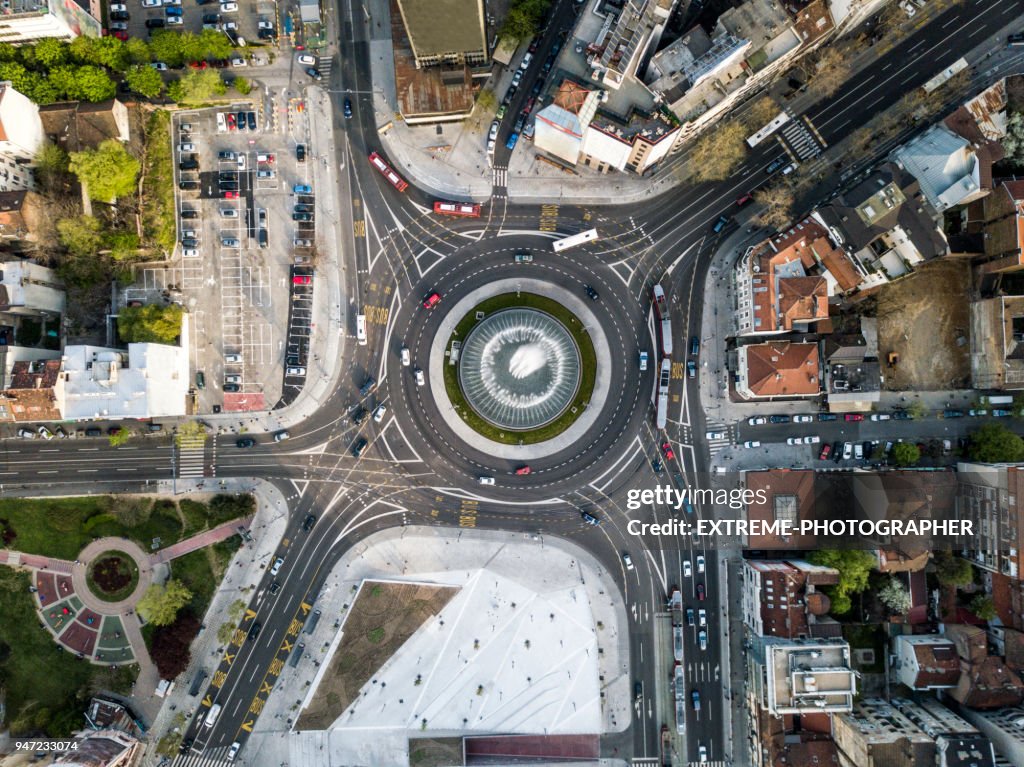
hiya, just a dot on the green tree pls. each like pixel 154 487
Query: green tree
pixel 994 443
pixel 137 50
pixel 82 235
pixel 917 409
pixel 153 323
pixel 8 52
pixel 854 567
pixel 197 86
pixel 951 570
pixel 108 171
pixel 166 46
pixel 234 614
pixel 776 203
pixel 123 246
pixel 145 80
pixel 242 85
pixel 160 604
pixel 718 152
pixel 841 604
pixel 895 596
pixel 905 454
pixel 983 606
pixel 92 83
pixel 189 431
pixel 210 44
pixel 51 52
pixel 1013 141
pixel 486 100
pixel 52 170
pixel 119 437
pixel 22 80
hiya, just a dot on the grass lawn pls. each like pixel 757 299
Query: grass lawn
pixel 61 527
pixel 588 369
pixel 114 564
pixel 46 689
pixel 157 203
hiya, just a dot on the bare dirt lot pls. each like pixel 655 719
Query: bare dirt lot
pixel 382 618
pixel 921 318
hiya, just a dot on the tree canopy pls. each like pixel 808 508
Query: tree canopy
pixel 160 604
pixel 197 85
pixel 983 606
pixel 718 152
pixel 145 81
pixel 1013 141
pixel 994 443
pixel 525 18
pixel 854 567
pixel 153 323
pixel 895 596
pixel 952 570
pixel 905 454
pixel 108 171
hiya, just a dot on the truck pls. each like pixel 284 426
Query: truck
pixel 675 599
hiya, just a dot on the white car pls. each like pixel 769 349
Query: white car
pixel 238 61
pixel 233 751
pixel 802 419
pixel 230 26
pixel 306 60
pixel 687 568
pixel 812 440
pixel 378 414
pixel 420 378
pixel 485 480
pixel 795 441
pixel 883 416
pixel 406 356
pixel 241 161
pixel 751 443
pixel 151 3
pixel 627 561
pixel 703 754
pixel 264 25
pixel 172 2
pixel 702 637
pixel 173 21
pixel 277 567
pixel 715 435
pixel 492 135
pixel 757 420
pixel 702 617
pixel 114 7
pixel 228 7
pixel 281 436
pixel 45 433
pixel 700 563
pixel 190 253
pixel 186 147
pixel 159 66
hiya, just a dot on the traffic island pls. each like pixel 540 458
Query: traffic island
pixel 548 367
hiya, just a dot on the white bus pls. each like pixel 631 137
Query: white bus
pixel 577 239
pixel 780 119
pixel 361 329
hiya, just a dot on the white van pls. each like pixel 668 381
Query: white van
pixel 361 329
pixel 233 359
pixel 211 717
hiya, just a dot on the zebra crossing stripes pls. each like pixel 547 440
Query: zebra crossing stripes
pixel 500 177
pixel 719 436
pixel 191 450
pixel 211 757
pixel 798 138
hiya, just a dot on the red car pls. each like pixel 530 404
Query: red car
pixel 302 279
pixel 121 35
pixel 230 195
pixel 523 470
pixel 666 449
pixel 700 592
pixel 432 300
pixel 198 64
pixel 853 417
pixel 744 199
pixel 826 451
pixel 231 121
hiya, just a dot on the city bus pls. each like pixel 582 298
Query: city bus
pixel 393 178
pixel 466 209
pixel 361 329
pixel 577 239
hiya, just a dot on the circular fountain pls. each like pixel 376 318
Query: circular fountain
pixel 519 369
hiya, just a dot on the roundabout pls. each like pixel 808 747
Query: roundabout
pixel 542 377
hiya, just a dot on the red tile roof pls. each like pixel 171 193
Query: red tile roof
pixel 782 368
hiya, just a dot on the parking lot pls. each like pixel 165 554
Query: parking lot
pixel 244 22
pixel 238 195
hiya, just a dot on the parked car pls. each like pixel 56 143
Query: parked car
pixel 779 419
pixel 853 417
pixel 826 451
pixel 802 419
pixel 757 420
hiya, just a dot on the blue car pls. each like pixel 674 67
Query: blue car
pixel 302 189
pixel 827 417
pixel 173 11
pixel 348 108
pixel 511 143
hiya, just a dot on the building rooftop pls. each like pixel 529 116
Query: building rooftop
pixel 811 675
pixel 927 661
pixel 440 27
pixel 943 163
pixel 789 494
pixel 782 368
pixel 789 603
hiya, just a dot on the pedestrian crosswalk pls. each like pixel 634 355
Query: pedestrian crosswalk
pixel 719 436
pixel 798 137
pixel 211 757
pixel 191 455
pixel 323 66
pixel 500 177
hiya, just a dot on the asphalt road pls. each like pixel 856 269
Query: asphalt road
pixel 406 253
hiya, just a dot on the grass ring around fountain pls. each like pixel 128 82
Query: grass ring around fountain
pixel 588 369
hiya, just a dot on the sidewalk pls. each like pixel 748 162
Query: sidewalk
pixel 244 572
pixel 200 541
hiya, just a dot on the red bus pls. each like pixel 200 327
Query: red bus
pixel 393 178
pixel 457 209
